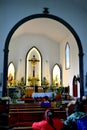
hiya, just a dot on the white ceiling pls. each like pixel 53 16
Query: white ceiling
pixel 46 27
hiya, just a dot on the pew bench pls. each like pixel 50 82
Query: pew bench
pixel 21 116
pixel 26 118
pixel 24 105
pixel 28 109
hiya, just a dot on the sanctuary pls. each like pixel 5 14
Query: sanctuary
pixel 33 84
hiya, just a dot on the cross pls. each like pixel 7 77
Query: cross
pixel 33 61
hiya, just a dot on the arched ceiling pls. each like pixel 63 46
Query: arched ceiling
pixel 46 27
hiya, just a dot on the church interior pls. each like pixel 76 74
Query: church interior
pixel 43 56
pixel 50 57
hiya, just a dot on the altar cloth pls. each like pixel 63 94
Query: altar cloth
pixel 49 94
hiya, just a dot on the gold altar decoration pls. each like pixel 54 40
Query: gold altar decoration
pixel 33 81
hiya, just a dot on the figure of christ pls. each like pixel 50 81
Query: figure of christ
pixel 33 61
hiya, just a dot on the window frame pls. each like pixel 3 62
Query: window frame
pixel 67 56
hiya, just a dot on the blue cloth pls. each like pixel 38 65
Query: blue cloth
pixel 82 123
pixel 72 120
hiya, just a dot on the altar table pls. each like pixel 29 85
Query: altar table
pixel 30 90
pixel 49 94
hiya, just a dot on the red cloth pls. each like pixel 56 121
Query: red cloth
pixel 75 90
pixel 44 125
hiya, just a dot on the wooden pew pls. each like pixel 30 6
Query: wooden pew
pixel 24 115
pixel 33 109
pixel 29 118
pixel 21 116
pixel 28 109
pixel 26 118
pixel 24 105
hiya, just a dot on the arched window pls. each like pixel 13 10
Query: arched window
pixel 67 56
pixel 11 73
pixel 57 75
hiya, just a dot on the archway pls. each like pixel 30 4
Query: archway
pixel 33 62
pixel 6 50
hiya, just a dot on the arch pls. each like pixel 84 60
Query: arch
pixel 57 75
pixel 50 16
pixel 11 73
pixel 28 72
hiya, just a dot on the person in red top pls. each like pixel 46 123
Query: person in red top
pixel 49 123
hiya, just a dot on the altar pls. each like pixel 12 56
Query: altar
pixel 37 95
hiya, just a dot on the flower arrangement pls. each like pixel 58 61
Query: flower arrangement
pixel 15 84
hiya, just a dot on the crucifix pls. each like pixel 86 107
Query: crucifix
pixel 33 61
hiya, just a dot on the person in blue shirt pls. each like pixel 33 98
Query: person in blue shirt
pixel 71 122
pixel 45 102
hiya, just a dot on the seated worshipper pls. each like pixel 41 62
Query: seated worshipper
pixel 45 102
pixel 70 107
pixel 84 100
pixel 49 123
pixel 71 122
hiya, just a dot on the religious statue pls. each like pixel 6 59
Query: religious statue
pixel 34 61
pixel 10 79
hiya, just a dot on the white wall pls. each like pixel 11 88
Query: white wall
pixel 68 74
pixel 20 45
pixel 50 51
